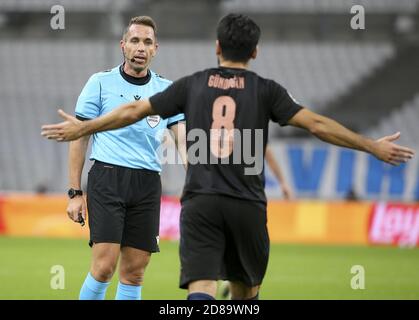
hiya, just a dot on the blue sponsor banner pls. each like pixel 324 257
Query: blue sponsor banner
pixel 307 172
pixel 328 172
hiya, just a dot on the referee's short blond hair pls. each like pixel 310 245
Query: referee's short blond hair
pixel 141 20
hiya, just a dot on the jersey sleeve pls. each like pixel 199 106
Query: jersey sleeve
pixel 88 104
pixel 283 105
pixel 171 102
pixel 174 120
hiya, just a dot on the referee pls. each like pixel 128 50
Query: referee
pixel 124 188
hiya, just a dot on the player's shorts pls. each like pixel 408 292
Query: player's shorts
pixel 124 206
pixel 223 238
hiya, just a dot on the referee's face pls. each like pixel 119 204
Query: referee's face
pixel 139 47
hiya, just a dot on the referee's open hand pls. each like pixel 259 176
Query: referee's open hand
pixel 64 131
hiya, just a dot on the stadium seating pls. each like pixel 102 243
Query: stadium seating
pixel 325 6
pixel 284 6
pixel 314 73
pixel 72 5
pixel 405 118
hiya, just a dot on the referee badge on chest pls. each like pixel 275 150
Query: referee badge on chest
pixel 153 121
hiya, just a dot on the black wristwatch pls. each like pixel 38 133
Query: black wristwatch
pixel 73 192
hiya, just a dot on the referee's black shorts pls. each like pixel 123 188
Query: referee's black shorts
pixel 124 206
pixel 223 238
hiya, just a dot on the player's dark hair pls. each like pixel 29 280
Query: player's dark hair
pixel 238 36
pixel 141 20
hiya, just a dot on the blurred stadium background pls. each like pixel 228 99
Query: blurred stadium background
pixel 350 209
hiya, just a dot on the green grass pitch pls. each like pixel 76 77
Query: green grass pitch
pixel 294 271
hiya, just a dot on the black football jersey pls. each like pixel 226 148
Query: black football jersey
pixel 227 113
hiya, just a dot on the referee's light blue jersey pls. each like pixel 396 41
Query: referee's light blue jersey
pixel 134 146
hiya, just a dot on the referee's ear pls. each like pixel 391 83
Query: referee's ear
pixel 156 47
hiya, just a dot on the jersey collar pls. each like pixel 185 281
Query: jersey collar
pixel 134 80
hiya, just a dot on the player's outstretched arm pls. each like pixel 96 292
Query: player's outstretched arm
pixel 333 132
pixel 72 128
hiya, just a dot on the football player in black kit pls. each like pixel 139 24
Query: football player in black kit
pixel 223 219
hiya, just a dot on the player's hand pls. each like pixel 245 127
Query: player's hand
pixel 77 208
pixel 287 192
pixel 387 151
pixel 68 130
